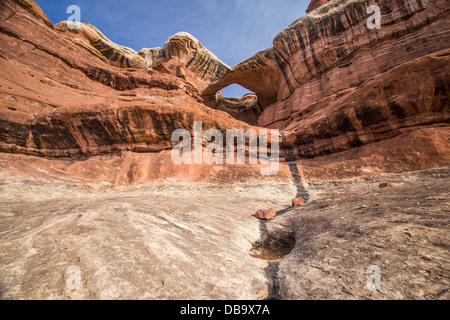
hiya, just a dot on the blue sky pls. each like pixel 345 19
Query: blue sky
pixel 233 30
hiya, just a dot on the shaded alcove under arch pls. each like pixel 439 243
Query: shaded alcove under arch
pixel 245 107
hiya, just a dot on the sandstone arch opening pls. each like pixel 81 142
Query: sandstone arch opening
pixel 240 103
pixel 235 90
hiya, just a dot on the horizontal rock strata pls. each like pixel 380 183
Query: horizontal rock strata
pixel 329 84
pixel 58 99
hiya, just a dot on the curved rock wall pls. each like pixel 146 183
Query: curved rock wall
pixel 333 84
pixel 329 83
pixel 182 47
pixel 92 39
pixel 331 52
pixel 246 108
pixel 347 83
pixel 60 99
pixel 188 50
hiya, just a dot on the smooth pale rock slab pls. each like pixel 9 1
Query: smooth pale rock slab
pixel 155 241
pixel 338 248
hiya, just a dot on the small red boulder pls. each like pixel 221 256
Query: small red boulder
pixel 386 185
pixel 265 214
pixel 297 202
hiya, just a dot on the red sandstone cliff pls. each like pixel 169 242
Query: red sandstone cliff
pixel 329 83
pixel 63 98
pixel 59 99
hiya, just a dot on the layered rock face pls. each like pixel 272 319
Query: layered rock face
pixel 329 83
pixel 316 4
pixel 246 108
pixel 317 65
pixel 332 84
pixel 182 47
pixel 72 94
pixel 377 101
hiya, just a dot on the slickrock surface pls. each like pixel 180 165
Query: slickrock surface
pixel 159 241
pixel 351 225
pixel 200 240
pixel 131 168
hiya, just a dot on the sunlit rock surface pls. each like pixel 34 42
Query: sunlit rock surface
pixel 87 178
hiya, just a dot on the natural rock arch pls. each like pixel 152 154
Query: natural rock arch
pixel 257 74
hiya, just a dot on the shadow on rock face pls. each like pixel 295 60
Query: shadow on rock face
pixel 297 179
pixel 2 292
pixel 272 248
pixel 273 287
pixel 299 184
pixel 274 245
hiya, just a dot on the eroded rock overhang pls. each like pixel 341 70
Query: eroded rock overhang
pixel 328 82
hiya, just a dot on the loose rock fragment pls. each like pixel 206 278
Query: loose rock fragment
pixel 296 202
pixel 386 185
pixel 265 214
